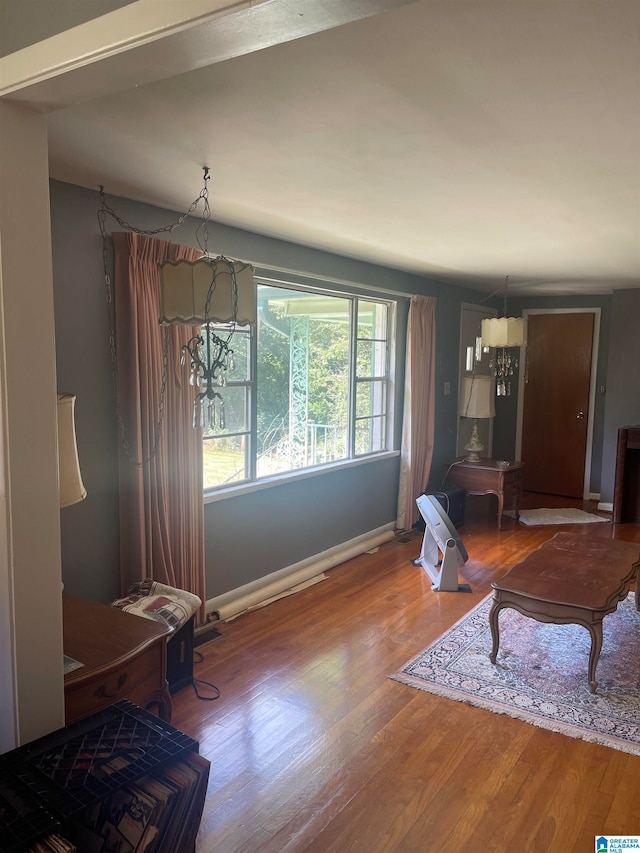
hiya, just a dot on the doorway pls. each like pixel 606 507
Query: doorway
pixel 556 401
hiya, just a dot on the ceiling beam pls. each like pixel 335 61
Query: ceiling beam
pixel 147 41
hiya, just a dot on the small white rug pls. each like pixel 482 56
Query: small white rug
pixel 535 517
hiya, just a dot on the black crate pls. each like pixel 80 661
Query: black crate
pixel 23 820
pixel 74 767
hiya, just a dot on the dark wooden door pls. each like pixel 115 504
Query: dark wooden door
pixel 556 403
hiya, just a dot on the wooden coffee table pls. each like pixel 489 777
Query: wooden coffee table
pixel 570 579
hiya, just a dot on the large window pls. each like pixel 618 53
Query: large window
pixel 309 386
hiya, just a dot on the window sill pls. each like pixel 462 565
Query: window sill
pixel 234 491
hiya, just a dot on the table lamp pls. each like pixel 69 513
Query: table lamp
pixel 72 489
pixel 476 401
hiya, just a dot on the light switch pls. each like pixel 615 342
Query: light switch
pixel 447 388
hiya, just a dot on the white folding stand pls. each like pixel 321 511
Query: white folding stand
pixel 440 536
pixel 443 573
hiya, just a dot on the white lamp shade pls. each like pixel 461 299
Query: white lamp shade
pixel 72 489
pixel 185 286
pixel 476 397
pixel 504 332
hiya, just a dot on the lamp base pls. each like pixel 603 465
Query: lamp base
pixel 474 447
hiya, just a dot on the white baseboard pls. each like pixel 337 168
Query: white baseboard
pixel 605 506
pixel 594 496
pixel 237 601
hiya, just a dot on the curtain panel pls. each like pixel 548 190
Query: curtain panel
pixel 160 498
pixel 418 425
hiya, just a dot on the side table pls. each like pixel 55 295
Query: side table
pixel 487 477
pixel 122 657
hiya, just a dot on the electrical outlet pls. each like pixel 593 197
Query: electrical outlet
pixel 447 388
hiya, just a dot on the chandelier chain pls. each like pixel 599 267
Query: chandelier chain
pixel 162 229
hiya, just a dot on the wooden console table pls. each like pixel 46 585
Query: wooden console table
pixel 486 477
pixel 570 579
pixel 124 657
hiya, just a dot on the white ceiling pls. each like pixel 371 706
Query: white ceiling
pixel 462 140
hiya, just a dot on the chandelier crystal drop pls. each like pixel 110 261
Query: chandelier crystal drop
pixel 209 359
pixel 503 366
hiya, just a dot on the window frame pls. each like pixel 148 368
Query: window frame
pixel 387 379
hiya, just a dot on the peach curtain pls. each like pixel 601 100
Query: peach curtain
pixel 161 500
pixel 418 425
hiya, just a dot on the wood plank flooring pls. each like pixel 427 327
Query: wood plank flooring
pixel 313 748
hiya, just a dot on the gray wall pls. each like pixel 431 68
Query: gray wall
pixel 90 529
pixel 623 380
pixel 247 536
pixel 266 530
pixel 447 368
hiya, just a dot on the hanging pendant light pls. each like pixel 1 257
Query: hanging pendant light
pixel 208 291
pixel 185 290
pixel 504 334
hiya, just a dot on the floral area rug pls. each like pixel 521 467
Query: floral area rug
pixel 541 673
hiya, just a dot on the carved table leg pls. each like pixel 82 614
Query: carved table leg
pixel 495 629
pixel 161 699
pixel 596 647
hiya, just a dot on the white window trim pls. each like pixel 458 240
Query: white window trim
pixel 235 490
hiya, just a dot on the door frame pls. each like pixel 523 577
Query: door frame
pixel 586 483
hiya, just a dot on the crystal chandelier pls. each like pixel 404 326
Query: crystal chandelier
pixel 504 366
pixel 504 334
pixel 204 292
pixel 209 358
pixel 209 291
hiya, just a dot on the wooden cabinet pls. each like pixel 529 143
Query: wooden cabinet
pixel 626 491
pixel 123 656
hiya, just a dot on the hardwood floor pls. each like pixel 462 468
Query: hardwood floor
pixel 314 748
